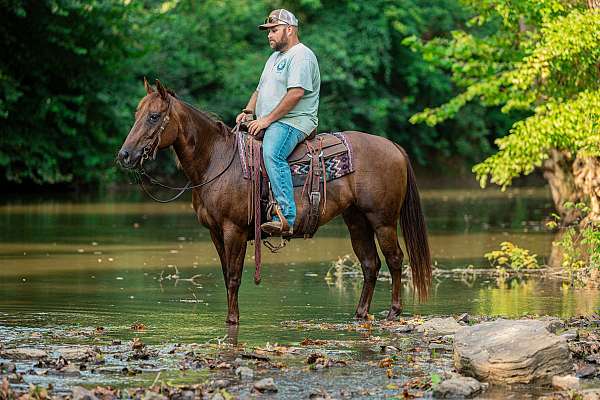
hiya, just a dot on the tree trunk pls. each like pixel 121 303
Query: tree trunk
pixel 558 171
pixel 586 172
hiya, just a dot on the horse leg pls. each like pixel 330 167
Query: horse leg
pixel 387 237
pixel 217 240
pixel 234 253
pixel 363 244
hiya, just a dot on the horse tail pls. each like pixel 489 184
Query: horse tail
pixel 414 230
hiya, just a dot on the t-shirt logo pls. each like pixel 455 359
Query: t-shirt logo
pixel 281 65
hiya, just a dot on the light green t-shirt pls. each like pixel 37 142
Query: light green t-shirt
pixel 297 67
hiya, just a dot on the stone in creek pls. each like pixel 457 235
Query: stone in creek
pixel 244 373
pixel 506 351
pixel 80 393
pixel 566 382
pixel 440 326
pixel 23 354
pixel 459 387
pixel 585 371
pixel 217 396
pixel 265 385
pixel 77 353
pixel 69 370
pixel 571 334
pixel 150 395
pixel 220 383
pixel 8 368
pixel 404 328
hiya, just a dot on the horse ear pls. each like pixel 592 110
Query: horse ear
pixel 161 90
pixel 147 86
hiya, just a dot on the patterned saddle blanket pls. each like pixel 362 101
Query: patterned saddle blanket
pixel 335 152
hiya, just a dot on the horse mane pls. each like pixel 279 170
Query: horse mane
pixel 212 117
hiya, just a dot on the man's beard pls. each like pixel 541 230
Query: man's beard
pixel 278 46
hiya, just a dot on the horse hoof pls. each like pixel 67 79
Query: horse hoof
pixel 393 314
pixel 361 316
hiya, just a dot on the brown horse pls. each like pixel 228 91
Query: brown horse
pixel 372 200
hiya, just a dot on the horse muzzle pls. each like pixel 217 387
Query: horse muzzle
pixel 129 158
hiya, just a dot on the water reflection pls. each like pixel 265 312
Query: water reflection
pixel 113 262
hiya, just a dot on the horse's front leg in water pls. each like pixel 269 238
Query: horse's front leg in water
pixel 234 239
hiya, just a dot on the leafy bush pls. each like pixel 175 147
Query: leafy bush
pixel 513 257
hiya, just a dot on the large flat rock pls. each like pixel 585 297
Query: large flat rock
pixel 506 351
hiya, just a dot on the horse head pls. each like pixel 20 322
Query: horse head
pixel 151 130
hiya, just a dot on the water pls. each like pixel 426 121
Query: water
pixel 108 262
pixel 71 265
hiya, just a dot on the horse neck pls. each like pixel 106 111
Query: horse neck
pixel 202 144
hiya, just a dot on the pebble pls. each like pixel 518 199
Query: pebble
pixel 80 393
pixel 566 382
pixel 265 385
pixel 244 372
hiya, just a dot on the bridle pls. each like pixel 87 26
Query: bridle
pixel 150 151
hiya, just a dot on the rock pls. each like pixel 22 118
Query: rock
pixel 8 368
pixel 23 354
pixel 463 318
pixel 80 393
pixel 404 328
pixel 440 346
pixel 585 371
pixel 440 326
pixel 506 351
pixel 220 383
pixel 589 394
pixel 265 385
pixel 150 395
pixel 244 372
pixel 217 396
pixel 77 353
pixel 68 370
pixel 459 387
pixel 571 334
pixel 566 382
pixel 552 324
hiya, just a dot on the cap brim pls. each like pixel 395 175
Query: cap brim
pixel 264 27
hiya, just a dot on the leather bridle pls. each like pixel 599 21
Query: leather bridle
pixel 152 149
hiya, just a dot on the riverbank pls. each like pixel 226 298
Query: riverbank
pixel 409 358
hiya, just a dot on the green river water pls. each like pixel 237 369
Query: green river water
pixel 99 263
pixel 79 263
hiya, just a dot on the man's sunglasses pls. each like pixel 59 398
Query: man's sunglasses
pixel 274 20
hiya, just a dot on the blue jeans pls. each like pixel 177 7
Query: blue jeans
pixel 279 142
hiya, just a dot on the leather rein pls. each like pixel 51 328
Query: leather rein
pixel 150 151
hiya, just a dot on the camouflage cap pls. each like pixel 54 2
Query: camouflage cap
pixel 279 17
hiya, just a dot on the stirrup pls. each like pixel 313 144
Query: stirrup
pixel 274 248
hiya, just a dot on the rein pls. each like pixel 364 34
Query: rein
pixel 188 186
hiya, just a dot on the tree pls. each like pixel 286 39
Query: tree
pixel 539 57
pixel 61 88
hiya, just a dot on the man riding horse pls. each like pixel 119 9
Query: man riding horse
pixel 285 103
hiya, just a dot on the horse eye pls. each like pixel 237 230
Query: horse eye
pixel 153 117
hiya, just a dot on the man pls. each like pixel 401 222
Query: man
pixel 285 103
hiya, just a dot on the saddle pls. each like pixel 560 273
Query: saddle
pixel 315 161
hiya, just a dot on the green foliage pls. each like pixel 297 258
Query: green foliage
pixel 580 245
pixel 538 57
pixel 58 78
pixel 513 257
pixel 72 74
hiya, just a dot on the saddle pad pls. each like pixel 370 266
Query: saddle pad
pixel 337 154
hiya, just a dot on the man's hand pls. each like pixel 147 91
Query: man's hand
pixel 254 127
pixel 242 117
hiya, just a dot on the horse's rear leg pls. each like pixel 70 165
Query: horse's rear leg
pixel 387 236
pixel 363 244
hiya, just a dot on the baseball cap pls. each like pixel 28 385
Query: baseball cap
pixel 279 17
